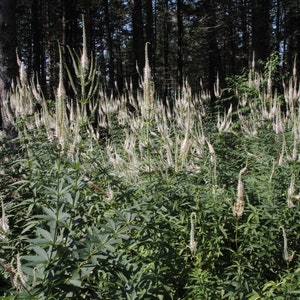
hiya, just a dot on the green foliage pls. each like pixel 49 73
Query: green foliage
pixel 164 205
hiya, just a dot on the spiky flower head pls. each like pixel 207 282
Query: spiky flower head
pixel 291 192
pixel 211 152
pixel 238 208
pixel 147 83
pixel 22 71
pixel 193 244
pixel 84 57
pixel 286 256
pixel 4 227
pixel 239 205
pixel 19 279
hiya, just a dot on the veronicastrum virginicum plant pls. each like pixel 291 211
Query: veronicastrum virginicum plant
pixel 92 223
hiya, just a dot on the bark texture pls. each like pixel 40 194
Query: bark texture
pixel 8 61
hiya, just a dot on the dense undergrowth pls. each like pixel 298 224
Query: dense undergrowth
pixel 125 198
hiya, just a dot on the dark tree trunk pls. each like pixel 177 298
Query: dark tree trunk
pixel 44 19
pixel 101 49
pixel 166 80
pixel 231 40
pixel 137 41
pixel 70 27
pixel 278 30
pixel 179 44
pixel 261 30
pixel 111 73
pixel 215 67
pixel 154 42
pixel 245 33
pixel 70 34
pixel 52 53
pixel 8 64
pixel 292 32
pixel 36 38
pixel 120 79
pixel 149 30
pixel 90 30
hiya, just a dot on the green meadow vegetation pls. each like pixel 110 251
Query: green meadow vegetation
pixel 129 198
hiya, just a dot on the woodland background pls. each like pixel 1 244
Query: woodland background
pixel 193 40
pixel 167 174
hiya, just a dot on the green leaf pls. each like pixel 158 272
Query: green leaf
pixel 41 252
pixel 76 282
pixel 45 234
pixel 50 213
pixel 223 231
pixel 35 258
pixel 62 216
pixel 110 248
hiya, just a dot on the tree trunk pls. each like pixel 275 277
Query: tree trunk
pixel 110 48
pixel 179 44
pixel 70 34
pixel 149 30
pixel 215 68
pixel 120 75
pixel 8 64
pixel 166 30
pixel 292 33
pixel 36 38
pixel 71 31
pixel 245 34
pixel 230 21
pixel 261 30
pixel 137 41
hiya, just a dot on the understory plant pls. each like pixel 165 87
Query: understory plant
pixel 134 198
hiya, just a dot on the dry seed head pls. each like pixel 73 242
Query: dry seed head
pixel 4 227
pixel 239 205
pixel 291 192
pixel 291 189
pixel 60 128
pixel 147 70
pixel 295 67
pixel 185 145
pixel 193 244
pixel 109 194
pixel 295 151
pixel 61 92
pixel 238 208
pixel 279 124
pixel 211 152
pixel 22 71
pixel 217 89
pixel 281 159
pixel 224 123
pixel 240 191
pixel 84 57
pixel 19 279
pixel 286 256
pixel 269 86
pixel 242 172
pixel 129 143
pixel 147 88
